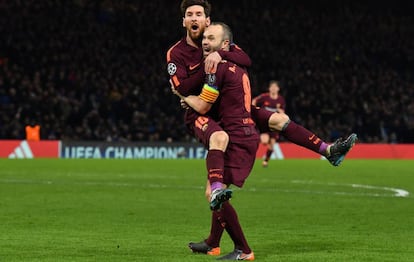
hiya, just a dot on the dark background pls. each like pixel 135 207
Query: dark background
pixel 95 70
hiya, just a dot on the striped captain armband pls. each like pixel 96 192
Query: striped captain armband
pixel 209 94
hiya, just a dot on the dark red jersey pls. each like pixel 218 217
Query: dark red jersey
pixel 184 65
pixel 186 69
pixel 233 105
pixel 265 101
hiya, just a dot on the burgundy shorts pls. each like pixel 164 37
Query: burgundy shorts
pixel 203 127
pixel 239 160
pixel 261 117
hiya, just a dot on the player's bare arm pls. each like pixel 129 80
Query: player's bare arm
pixel 195 102
pixel 201 103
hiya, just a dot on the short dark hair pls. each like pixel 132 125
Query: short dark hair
pixel 271 82
pixel 187 3
pixel 227 33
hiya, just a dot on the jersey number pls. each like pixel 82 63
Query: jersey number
pixel 201 121
pixel 247 93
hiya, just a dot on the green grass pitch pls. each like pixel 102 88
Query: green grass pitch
pixel 148 210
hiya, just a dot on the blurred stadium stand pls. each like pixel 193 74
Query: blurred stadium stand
pixel 95 70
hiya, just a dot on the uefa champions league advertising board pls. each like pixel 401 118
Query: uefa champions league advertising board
pixel 22 149
pixel 132 150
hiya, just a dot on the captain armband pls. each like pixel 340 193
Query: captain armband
pixel 209 94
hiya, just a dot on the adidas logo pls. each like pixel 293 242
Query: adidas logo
pixel 277 152
pixel 22 151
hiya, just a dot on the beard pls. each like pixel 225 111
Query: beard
pixel 196 36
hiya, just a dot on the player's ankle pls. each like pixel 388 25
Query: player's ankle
pixel 328 151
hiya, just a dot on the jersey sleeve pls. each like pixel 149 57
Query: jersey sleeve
pixel 185 84
pixel 258 100
pixel 236 55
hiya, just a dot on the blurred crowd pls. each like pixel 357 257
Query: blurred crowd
pixel 95 70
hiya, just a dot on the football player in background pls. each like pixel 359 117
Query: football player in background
pixel 272 101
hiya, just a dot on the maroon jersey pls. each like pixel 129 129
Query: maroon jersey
pixel 265 101
pixel 186 69
pixel 233 105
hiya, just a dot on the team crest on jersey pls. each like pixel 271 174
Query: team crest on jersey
pixel 211 79
pixel 171 68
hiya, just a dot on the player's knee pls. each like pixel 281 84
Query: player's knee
pixel 219 140
pixel 264 138
pixel 277 121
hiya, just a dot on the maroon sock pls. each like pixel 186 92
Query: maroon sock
pixel 268 154
pixel 215 169
pixel 233 228
pixel 303 137
pixel 216 230
pixel 215 165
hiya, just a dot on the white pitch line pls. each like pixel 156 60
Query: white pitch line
pixel 397 192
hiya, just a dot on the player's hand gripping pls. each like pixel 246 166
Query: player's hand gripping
pixel 211 62
pixel 175 92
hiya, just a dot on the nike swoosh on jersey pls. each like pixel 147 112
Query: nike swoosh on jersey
pixel 192 67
